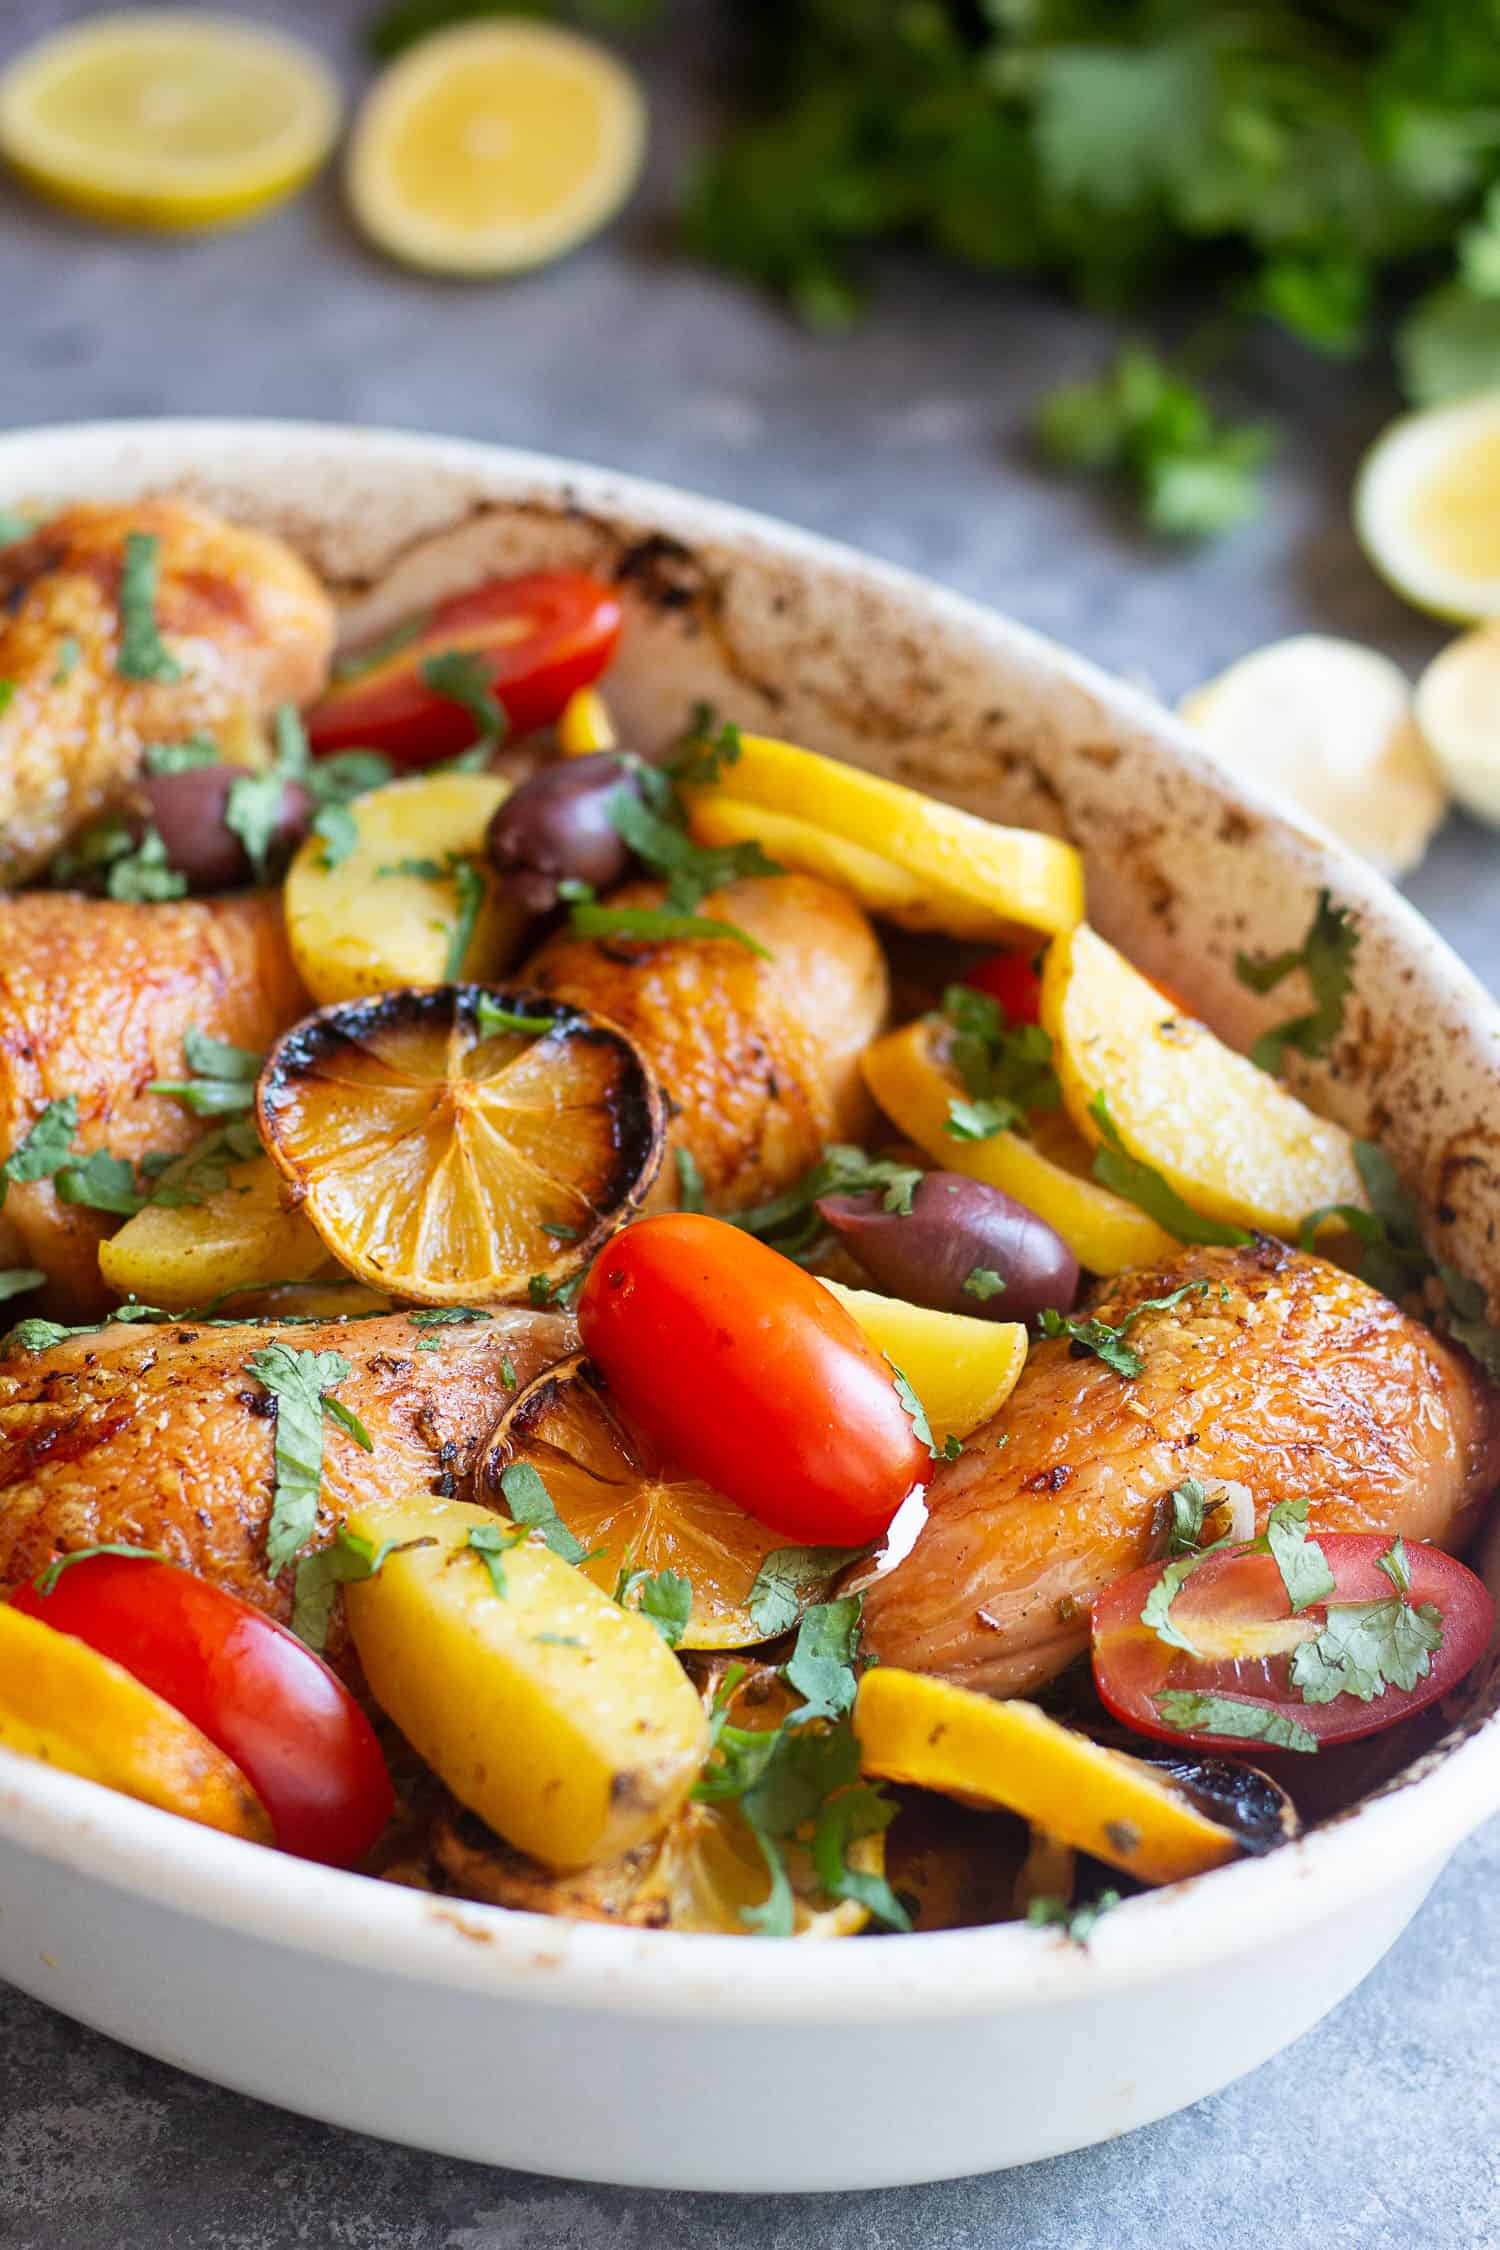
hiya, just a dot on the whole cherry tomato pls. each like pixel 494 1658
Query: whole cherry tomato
pixel 753 1376
pixel 1235 1611
pixel 1010 978
pixel 535 639
pixel 294 1731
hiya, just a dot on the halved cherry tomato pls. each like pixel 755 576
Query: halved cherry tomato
pixel 1010 978
pixel 1235 1611
pixel 752 1375
pixel 537 638
pixel 297 1735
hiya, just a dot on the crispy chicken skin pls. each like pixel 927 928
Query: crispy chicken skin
pixel 159 1436
pixel 246 620
pixel 1301 1380
pixel 95 995
pixel 760 1058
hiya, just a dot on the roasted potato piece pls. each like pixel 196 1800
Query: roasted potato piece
pixel 239 1237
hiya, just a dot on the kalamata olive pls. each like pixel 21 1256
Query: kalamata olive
pixel 188 809
pixel 556 827
pixel 957 1231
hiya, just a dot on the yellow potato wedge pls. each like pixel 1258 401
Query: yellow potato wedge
pixel 1224 1134
pixel 1104 1232
pixel 64 1704
pixel 560 1718
pixel 376 921
pixel 241 1237
pixel 927 1732
pixel 962 1370
pixel 903 855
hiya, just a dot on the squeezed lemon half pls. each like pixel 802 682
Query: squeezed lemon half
pixel 165 118
pixel 1427 507
pixel 494 147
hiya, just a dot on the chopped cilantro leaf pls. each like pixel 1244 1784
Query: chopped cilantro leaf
pixel 46 1580
pixel 821 1666
pixel 1300 1561
pixel 1077 1923
pixel 46 1145
pixel 983 1283
pixel 689 1180
pixel 531 1505
pixel 7 696
pixel 14 526
pixel 1194 1713
pixel 665 1598
pixel 664 845
pixel 1326 958
pixel 1106 1340
pixel 842 1820
pixel 446 1316
pixel 508 1373
pixel 652 924
pixel 68 653
pixel 492 1018
pixel 709 746
pixel 180 757
pixel 16 1280
pixel 339 830
pixel 915 1411
pixel 252 811
pixel 351 1559
pixel 36 1335
pixel 100 1182
pixel 493 1542
pixel 1156 1610
pixel 790 1221
pixel 299 1381
pixel 785 1579
pixel 469 893
pixel 461 676
pixel 141 654
pixel 1141 1184
pixel 1006 1068
pixel 222 1080
pixel 141 874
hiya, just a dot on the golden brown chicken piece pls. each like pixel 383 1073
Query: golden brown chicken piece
pixel 95 995
pixel 759 1058
pixel 1300 1381
pixel 160 1436
pixel 245 620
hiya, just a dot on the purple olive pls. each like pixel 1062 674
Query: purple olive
pixel 958 1231
pixel 556 827
pixel 187 810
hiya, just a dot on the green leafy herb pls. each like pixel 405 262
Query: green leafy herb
pixel 68 653
pixel 402 23
pixel 348 1561
pixel 785 1579
pixel 141 873
pixel 654 925
pixel 1156 1610
pixel 821 1666
pixel 1194 1713
pixel 1105 1339
pixel 36 1335
pixel 46 1580
pixel 205 1169
pixel 300 1382
pixel 337 826
pixel 508 1373
pixel 355 662
pixel 469 893
pixel 1006 1068
pixel 1187 1504
pixel 983 1282
pixel 461 676
pixel 691 870
pixel 222 1080
pixel 1077 1923
pixel 100 1182
pixel 252 811
pixel 790 1221
pixel 180 757
pixel 7 696
pixel 1366 1647
pixel 689 1180
pixel 45 1146
pixel 1326 958
pixel 16 1280
pixel 493 1542
pixel 1301 1562
pixel 531 1506
pixel 709 747
pixel 913 1408
pixel 492 1018
pixel 141 654
pixel 14 526
pixel 665 1598
pixel 1123 1174
pixel 447 1316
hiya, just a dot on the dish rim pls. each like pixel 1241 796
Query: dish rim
pixel 417 1937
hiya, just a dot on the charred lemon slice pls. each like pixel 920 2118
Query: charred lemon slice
pixel 926 1731
pixel 458 1145
pixel 922 864
pixel 634 1511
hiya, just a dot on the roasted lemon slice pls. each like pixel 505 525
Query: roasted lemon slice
pixel 1048 1173
pixel 926 1731
pixel 633 1511
pixel 495 146
pixel 922 864
pixel 458 1145
pixel 167 118
pixel 1427 507
pixel 65 1704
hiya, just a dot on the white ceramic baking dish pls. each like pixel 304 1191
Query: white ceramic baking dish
pixel 638 2056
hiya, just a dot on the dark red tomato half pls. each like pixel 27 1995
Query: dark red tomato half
pixel 270 1704
pixel 1010 978
pixel 1234 1610
pixel 748 1372
pixel 537 638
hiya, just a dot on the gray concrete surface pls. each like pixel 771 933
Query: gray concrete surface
pixel 909 439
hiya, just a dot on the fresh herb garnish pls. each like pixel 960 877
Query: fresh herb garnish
pixel 531 1506
pixel 461 676
pixel 915 1411
pixel 339 831
pixel 689 1179
pixel 1106 1339
pixel 666 1598
pixel 68 653
pixel 1300 1563
pixel 1326 958
pixel 222 1080
pixel 1141 1184
pixel 983 1282
pixel 784 1580
pixel 139 870
pixel 654 925
pixel 36 1335
pixel 7 696
pixel 446 1316
pixel 347 1562
pixel 14 526
pixel 38 1155
pixel 821 1666
pixel 1006 1068
pixel 46 1580
pixel 1366 1647
pixel 662 843
pixel 492 1542
pixel 180 757
pixel 1192 1712
pixel 491 1018
pixel 142 654
pixel 300 1382
pixel 1077 1923
pixel 100 1182
pixel 790 1222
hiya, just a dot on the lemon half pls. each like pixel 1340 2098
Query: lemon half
pixel 159 118
pixel 1458 709
pixel 495 146
pixel 1427 507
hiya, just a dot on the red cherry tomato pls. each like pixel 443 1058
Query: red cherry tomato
pixel 1010 978
pixel 749 1373
pixel 537 638
pixel 1235 1611
pixel 296 1734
